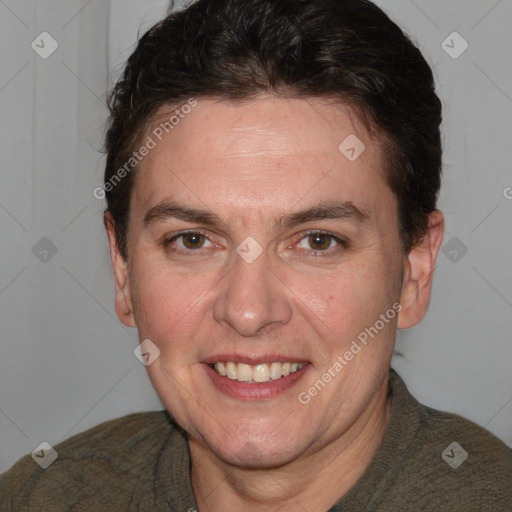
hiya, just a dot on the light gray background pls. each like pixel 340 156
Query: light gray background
pixel 67 364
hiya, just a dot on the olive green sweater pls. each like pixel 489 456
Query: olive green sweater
pixel 141 462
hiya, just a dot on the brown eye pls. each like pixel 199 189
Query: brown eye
pixel 320 241
pixel 193 240
pixel 190 244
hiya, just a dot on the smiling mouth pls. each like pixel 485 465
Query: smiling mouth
pixel 258 373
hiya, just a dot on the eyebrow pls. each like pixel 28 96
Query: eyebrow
pixel 328 211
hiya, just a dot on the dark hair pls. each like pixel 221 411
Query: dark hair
pixel 345 50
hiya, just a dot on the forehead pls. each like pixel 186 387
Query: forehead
pixel 259 155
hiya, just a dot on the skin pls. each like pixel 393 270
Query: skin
pixel 251 164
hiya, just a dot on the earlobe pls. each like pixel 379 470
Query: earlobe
pixel 418 274
pixel 123 299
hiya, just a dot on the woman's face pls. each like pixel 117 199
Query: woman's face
pixel 259 249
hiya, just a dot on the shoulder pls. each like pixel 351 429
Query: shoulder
pixel 453 460
pixel 112 459
pixel 469 443
pixel 466 446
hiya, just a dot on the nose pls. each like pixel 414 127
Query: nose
pixel 251 297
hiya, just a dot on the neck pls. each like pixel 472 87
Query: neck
pixel 306 482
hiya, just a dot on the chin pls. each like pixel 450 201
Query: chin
pixel 254 452
pixel 251 456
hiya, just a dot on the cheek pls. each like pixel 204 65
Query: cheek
pixel 167 303
pixel 349 309
pixel 341 305
pixel 330 302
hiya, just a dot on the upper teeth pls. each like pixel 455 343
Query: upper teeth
pixel 257 373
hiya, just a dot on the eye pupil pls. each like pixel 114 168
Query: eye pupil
pixel 319 241
pixel 193 240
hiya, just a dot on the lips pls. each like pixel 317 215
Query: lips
pixel 255 376
pixel 253 359
pixel 253 390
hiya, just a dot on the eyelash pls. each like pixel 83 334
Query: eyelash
pixel 342 243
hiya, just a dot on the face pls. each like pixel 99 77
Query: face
pixel 257 254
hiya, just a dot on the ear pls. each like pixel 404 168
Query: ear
pixel 419 272
pixel 123 298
